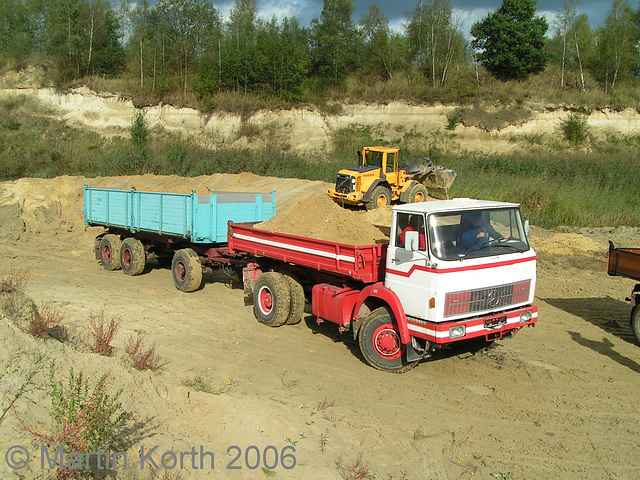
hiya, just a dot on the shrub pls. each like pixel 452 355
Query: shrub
pixel 139 130
pixel 84 419
pixel 575 129
pixel 102 333
pixel 42 320
pixel 142 357
pixel 15 280
pixel 453 119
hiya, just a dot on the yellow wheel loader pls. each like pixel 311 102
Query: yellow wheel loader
pixel 379 179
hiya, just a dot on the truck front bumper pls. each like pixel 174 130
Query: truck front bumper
pixel 490 327
pixel 352 198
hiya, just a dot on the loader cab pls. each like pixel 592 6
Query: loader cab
pixel 382 158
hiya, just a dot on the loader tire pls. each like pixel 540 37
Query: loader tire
pixel 418 194
pixel 271 299
pixel 297 300
pixel 133 258
pixel 109 251
pixel 380 344
pixel 186 270
pixel 381 197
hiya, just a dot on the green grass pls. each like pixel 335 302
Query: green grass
pixel 556 185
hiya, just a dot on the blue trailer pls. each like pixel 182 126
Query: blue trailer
pixel 180 227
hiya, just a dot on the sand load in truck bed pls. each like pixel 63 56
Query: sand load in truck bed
pixel 323 219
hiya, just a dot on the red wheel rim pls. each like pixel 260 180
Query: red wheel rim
pixel 126 258
pixel 386 342
pixel 265 300
pixel 106 253
pixel 181 272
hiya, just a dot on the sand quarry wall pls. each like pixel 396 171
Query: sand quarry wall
pixel 307 129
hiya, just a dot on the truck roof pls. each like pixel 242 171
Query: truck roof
pixel 452 205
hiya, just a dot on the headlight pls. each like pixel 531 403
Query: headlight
pixel 457 332
pixel 525 317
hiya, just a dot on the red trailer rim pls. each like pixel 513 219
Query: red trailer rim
pixel 386 341
pixel 181 271
pixel 106 253
pixel 126 257
pixel 265 300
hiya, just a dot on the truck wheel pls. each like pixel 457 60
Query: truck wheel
pixel 418 194
pixel 187 270
pixel 635 324
pixel 380 343
pixel 109 251
pixel 133 258
pixel 271 299
pixel 381 197
pixel 297 300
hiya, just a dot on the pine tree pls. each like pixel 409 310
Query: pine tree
pixel 511 40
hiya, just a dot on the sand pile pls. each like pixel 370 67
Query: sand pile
pixel 321 218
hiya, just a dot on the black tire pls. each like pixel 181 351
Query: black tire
pixel 186 270
pixel 635 324
pixel 133 258
pixel 109 251
pixel 418 193
pixel 296 292
pixel 380 343
pixel 381 197
pixel 271 299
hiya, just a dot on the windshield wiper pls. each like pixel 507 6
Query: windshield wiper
pixel 493 245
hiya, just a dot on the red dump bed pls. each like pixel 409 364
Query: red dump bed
pixel 624 262
pixel 364 263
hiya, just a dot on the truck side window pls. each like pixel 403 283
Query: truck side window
pixel 410 223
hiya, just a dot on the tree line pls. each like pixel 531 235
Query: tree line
pixel 184 45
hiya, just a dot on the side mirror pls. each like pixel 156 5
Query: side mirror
pixel 411 241
pixel 526 227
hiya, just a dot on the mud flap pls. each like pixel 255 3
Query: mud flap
pixel 416 352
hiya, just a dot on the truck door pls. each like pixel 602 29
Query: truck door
pixel 407 273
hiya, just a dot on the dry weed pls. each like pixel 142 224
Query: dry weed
pixel 142 357
pixel 102 333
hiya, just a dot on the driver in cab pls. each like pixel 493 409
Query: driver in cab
pixel 478 234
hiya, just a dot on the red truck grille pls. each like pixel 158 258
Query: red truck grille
pixel 486 299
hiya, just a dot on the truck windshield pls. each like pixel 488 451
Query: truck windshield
pixel 476 233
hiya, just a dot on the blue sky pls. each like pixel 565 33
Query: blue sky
pixel 469 10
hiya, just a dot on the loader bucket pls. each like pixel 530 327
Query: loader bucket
pixel 436 178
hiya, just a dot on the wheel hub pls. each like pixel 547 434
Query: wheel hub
pixel 106 253
pixel 387 342
pixel 266 300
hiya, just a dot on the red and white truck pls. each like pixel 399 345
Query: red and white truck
pixel 453 271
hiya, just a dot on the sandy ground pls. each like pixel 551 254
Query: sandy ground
pixel 558 401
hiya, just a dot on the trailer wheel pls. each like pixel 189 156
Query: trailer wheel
pixel 418 194
pixel 297 300
pixel 133 258
pixel 109 251
pixel 271 299
pixel 380 343
pixel 187 270
pixel 635 324
pixel 381 197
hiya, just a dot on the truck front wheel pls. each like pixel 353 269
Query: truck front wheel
pixel 109 252
pixel 133 258
pixel 187 270
pixel 271 299
pixel 635 324
pixel 380 344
